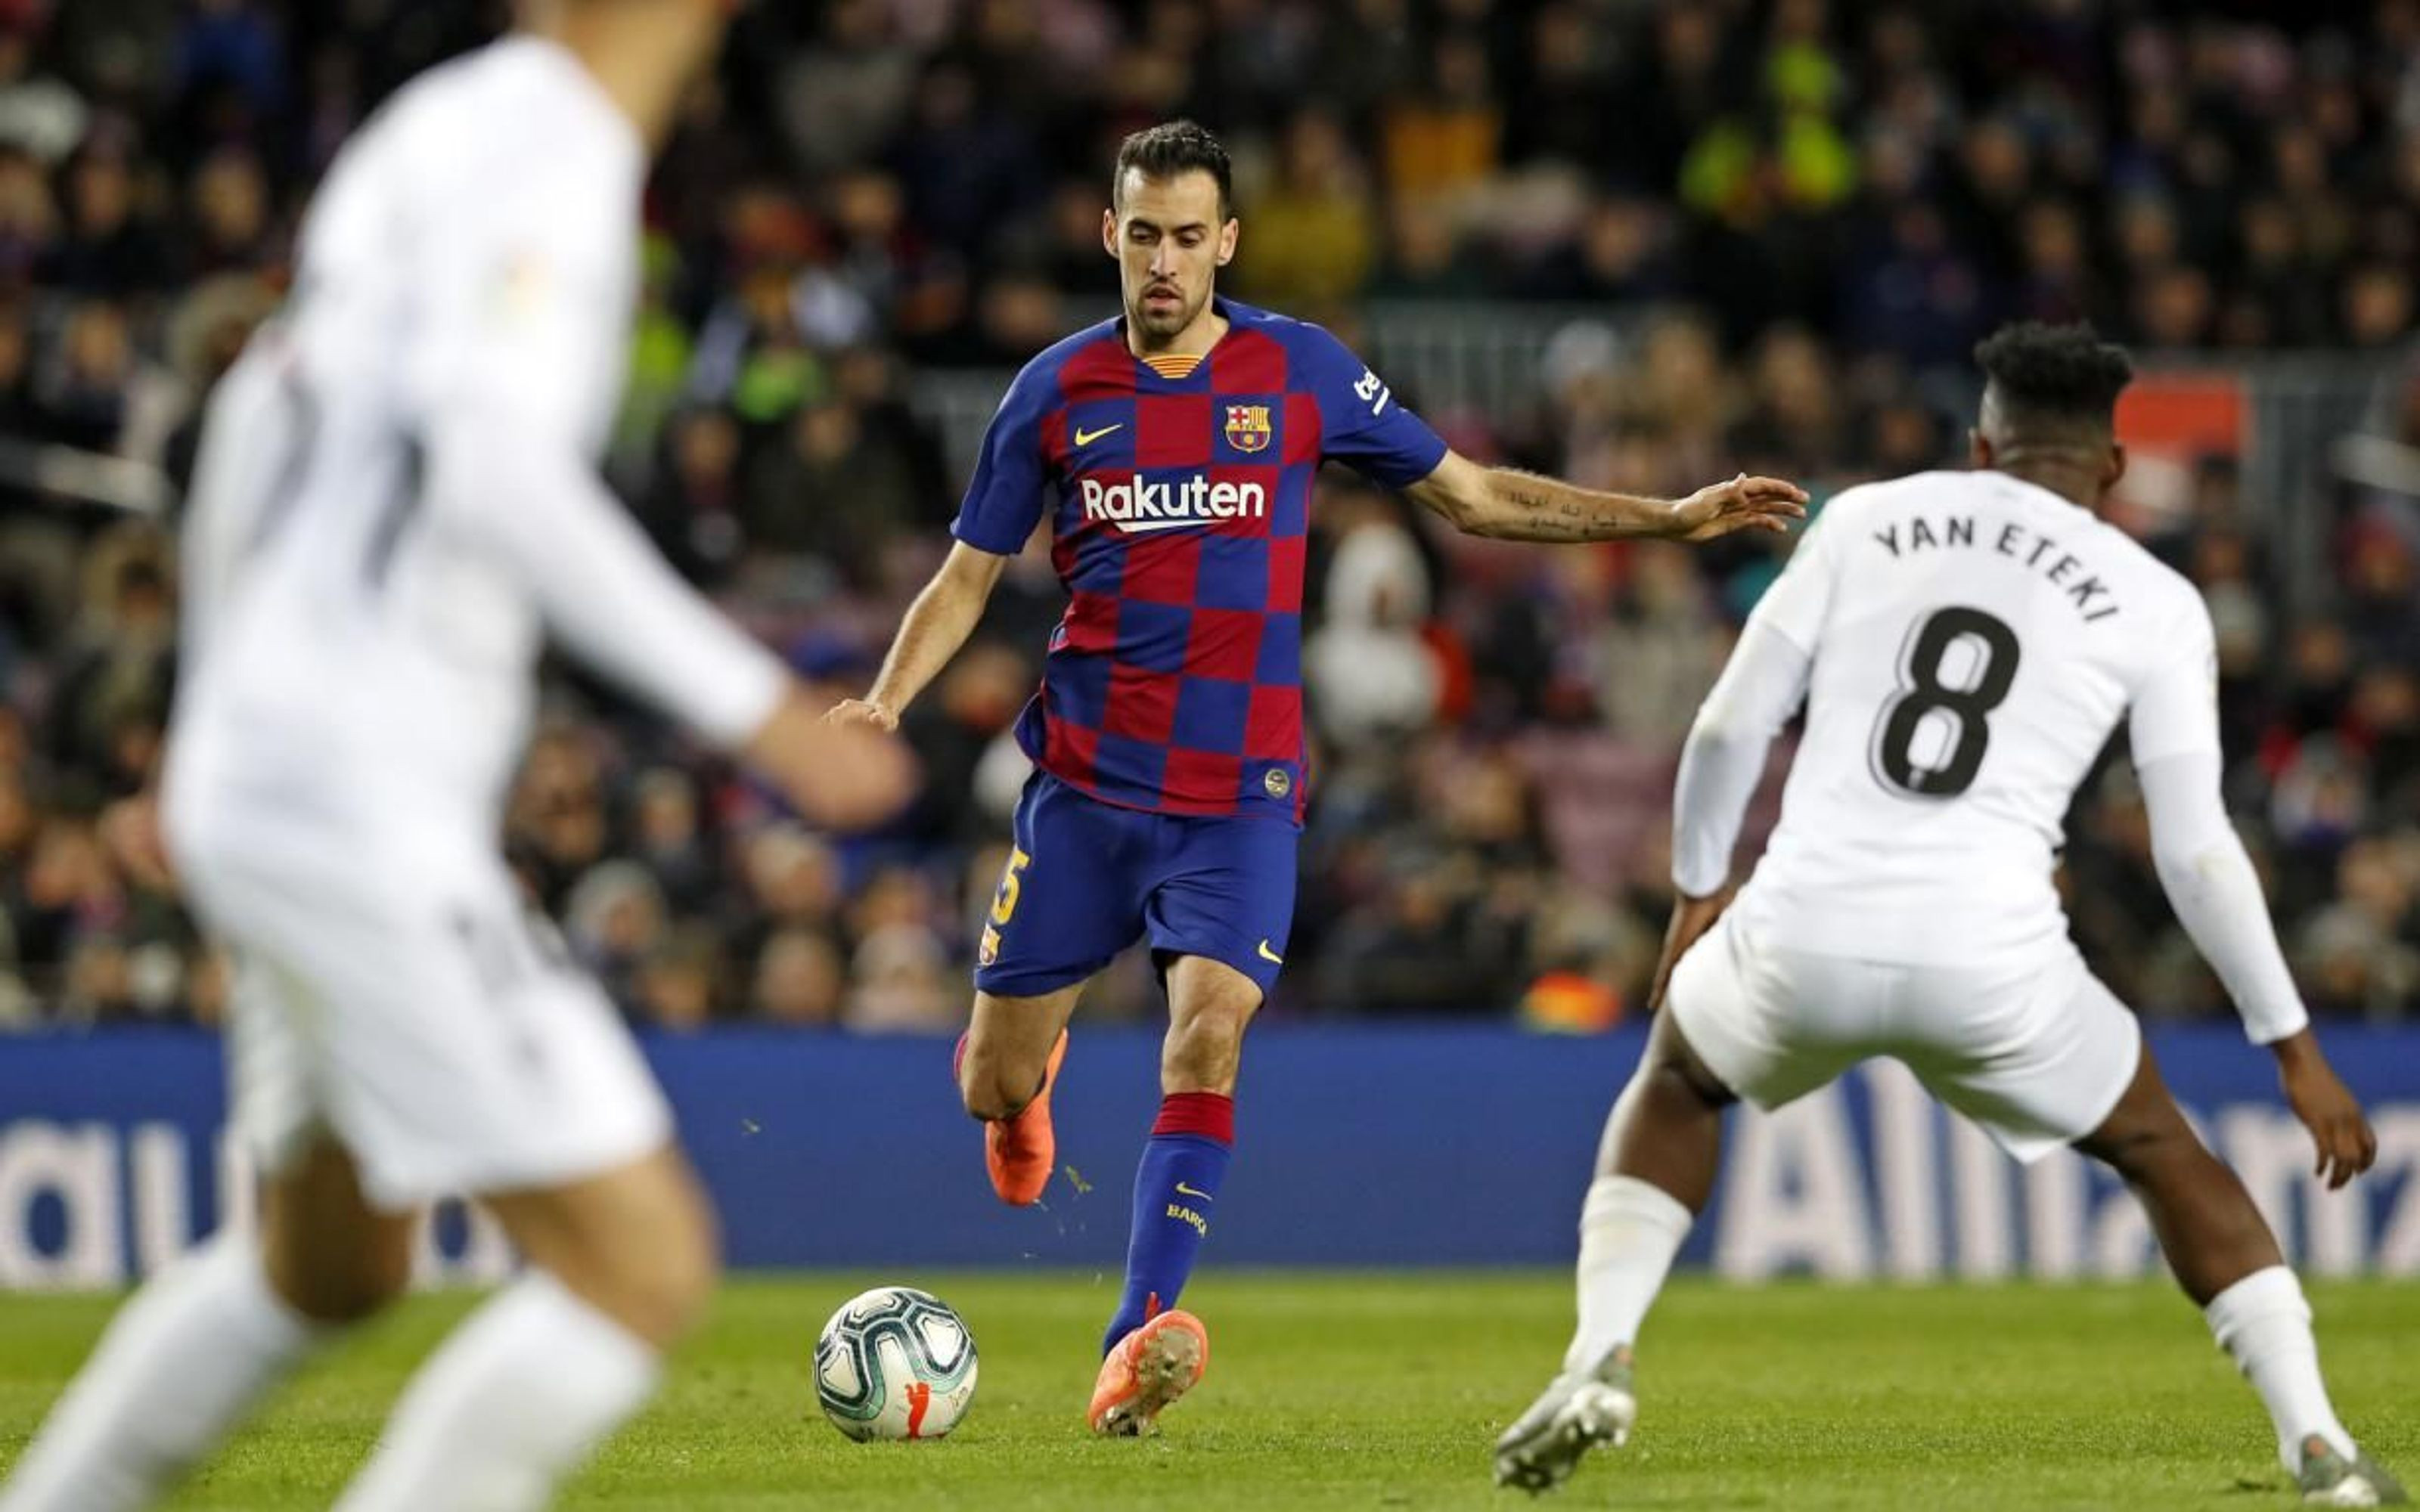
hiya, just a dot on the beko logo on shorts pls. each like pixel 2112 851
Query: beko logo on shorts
pixel 1137 505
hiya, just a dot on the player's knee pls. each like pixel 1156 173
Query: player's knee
pixel 337 1291
pixel 1676 1080
pixel 2150 1151
pixel 1679 1086
pixel 658 1290
pixel 1202 1051
pixel 992 1089
pixel 679 1285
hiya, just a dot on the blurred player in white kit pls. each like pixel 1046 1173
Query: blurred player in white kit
pixel 1964 644
pixel 395 507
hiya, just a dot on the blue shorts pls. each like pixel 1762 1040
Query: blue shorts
pixel 1088 879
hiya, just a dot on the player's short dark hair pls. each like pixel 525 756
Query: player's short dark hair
pixel 1175 147
pixel 2055 375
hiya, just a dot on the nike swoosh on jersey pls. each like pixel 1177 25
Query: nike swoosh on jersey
pixel 1086 438
pixel 1271 956
pixel 1183 1191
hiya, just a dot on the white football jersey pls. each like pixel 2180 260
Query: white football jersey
pixel 396 501
pixel 1975 639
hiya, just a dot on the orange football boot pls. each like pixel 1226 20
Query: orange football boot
pixel 1147 1372
pixel 1020 1150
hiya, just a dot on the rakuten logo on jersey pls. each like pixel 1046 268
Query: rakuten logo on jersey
pixel 1136 506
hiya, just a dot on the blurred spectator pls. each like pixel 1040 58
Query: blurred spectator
pixel 833 491
pixel 557 827
pixel 900 980
pixel 676 982
pixel 1314 232
pixel 692 508
pixel 85 394
pixel 1786 222
pixel 40 116
pixel 1445 136
pixel 1663 653
pixel 103 251
pixel 668 838
pixel 800 979
pixel 615 919
pixel 1369 675
pixel 111 700
pixel 843 98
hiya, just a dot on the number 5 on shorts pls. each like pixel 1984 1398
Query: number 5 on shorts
pixel 1011 884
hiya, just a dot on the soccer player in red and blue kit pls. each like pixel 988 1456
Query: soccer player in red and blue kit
pixel 1174 450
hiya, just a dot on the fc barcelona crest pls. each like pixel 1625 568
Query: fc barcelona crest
pixel 1247 427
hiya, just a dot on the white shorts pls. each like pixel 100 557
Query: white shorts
pixel 420 1015
pixel 2036 1052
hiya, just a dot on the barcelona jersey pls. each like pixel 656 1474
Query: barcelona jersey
pixel 1179 492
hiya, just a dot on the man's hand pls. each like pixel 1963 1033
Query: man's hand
pixel 2347 1145
pixel 129 830
pixel 1691 919
pixel 861 712
pixel 842 772
pixel 1744 503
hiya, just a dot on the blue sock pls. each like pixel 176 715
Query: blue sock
pixel 1175 1187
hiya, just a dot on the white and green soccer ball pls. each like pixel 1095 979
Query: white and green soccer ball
pixel 895 1363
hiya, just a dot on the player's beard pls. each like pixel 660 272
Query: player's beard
pixel 1166 320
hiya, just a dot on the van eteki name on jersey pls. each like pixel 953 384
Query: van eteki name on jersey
pixel 1136 503
pixel 2036 553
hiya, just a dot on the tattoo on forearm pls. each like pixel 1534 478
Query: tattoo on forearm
pixel 1546 509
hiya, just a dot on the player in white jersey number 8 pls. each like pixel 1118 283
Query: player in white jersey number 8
pixel 1965 644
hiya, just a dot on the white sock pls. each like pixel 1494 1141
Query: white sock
pixel 511 1404
pixel 1629 1230
pixel 180 1365
pixel 2265 1325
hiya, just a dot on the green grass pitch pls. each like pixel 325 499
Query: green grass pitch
pixel 1385 1391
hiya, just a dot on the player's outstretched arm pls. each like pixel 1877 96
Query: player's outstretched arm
pixel 610 599
pixel 1508 505
pixel 2345 1143
pixel 936 625
pixel 837 774
pixel 1760 686
pixel 2211 883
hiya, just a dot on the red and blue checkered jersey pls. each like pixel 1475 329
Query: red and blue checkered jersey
pixel 1180 508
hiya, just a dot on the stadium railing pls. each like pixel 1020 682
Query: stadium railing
pixel 1490 359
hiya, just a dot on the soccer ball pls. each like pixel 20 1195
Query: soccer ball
pixel 894 1363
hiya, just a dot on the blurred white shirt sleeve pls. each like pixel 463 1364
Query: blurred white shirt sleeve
pixel 518 408
pixel 1761 687
pixel 2211 883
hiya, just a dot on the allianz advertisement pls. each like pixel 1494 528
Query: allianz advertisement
pixel 1426 1145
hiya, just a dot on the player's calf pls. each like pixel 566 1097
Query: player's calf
pixel 1210 1005
pixel 639 1244
pixel 326 1253
pixel 525 1390
pixel 2228 1261
pixel 1007 1057
pixel 2207 1226
pixel 994 1092
pixel 1020 1146
pixel 185 1360
pixel 182 1364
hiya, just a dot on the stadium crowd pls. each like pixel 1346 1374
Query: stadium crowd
pixel 1806 211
